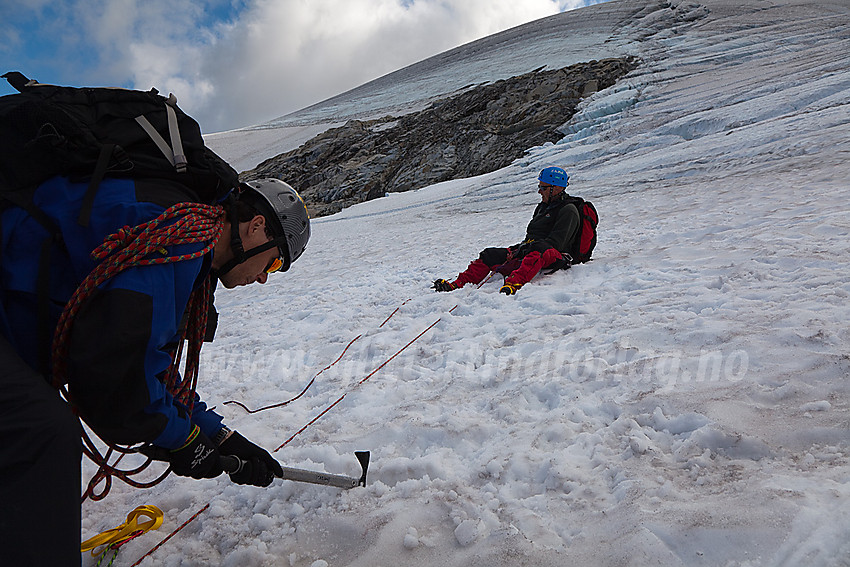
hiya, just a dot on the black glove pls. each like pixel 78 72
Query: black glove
pixel 197 458
pixel 443 285
pixel 564 263
pixel 521 250
pixel 259 468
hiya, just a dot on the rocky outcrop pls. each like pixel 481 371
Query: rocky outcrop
pixel 480 129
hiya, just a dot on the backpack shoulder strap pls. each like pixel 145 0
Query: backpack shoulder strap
pixel 103 159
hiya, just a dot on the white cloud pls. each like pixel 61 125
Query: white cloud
pixel 286 54
pixel 277 56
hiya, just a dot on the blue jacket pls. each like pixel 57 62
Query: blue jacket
pixel 123 336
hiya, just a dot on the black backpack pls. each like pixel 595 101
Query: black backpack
pixel 585 239
pixel 89 133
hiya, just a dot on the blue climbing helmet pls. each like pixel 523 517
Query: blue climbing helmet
pixel 554 176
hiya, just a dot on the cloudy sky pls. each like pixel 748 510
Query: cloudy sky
pixel 234 63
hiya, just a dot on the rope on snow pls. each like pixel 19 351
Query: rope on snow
pixel 172 534
pixel 313 379
pixel 375 371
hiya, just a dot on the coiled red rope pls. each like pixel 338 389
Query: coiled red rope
pixel 143 245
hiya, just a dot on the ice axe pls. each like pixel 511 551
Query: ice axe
pixel 232 464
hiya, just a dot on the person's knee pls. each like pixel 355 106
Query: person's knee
pixel 493 256
pixel 532 259
pixel 551 255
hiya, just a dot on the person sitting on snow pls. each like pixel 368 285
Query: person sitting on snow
pixel 549 235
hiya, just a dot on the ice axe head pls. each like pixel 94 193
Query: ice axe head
pixel 363 457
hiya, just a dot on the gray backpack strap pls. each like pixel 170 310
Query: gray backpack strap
pixel 174 153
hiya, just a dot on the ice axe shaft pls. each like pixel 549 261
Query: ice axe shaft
pixel 232 464
pixel 300 475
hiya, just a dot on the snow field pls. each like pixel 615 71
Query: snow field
pixel 680 400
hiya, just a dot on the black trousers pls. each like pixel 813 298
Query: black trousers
pixel 40 454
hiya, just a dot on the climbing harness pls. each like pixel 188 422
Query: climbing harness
pixel 145 244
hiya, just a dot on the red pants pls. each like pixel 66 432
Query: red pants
pixel 494 258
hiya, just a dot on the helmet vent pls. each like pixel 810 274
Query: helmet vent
pixel 287 211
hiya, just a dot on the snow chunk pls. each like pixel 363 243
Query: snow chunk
pixel 821 405
pixel 678 425
pixel 411 539
pixel 466 532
